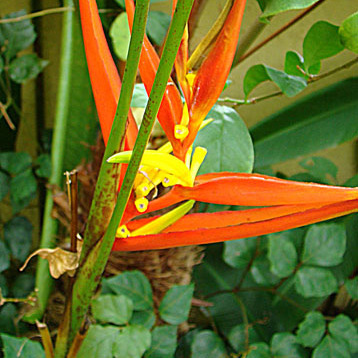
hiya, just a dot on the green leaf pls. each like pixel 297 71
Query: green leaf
pixel 4 257
pixel 112 309
pixel 209 345
pixel 164 342
pixel 273 7
pixel 44 166
pixel 3 287
pixel 157 26
pixel 348 32
pixel 140 97
pixel 315 282
pixel 311 330
pixel 325 245
pixel 134 285
pixel 120 35
pixel 352 287
pixel 8 315
pixel 22 190
pixel 282 255
pixel 342 328
pixel 1 64
pixel 99 342
pixel 294 60
pixel 331 348
pixel 144 318
pixel 16 36
pixel 175 306
pixel 132 342
pixel 4 185
pixel 321 168
pixel 237 337
pixel 225 138
pixel 321 41
pixel 18 235
pixel 284 345
pixel 321 120
pixel 15 162
pixel 290 85
pixel 23 285
pixel 260 271
pixel 21 347
pixel 238 253
pixel 259 350
pixel 26 67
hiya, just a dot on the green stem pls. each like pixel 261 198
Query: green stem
pixel 44 282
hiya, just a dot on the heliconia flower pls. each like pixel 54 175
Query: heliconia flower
pixel 201 90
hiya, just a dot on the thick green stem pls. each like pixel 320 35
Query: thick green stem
pixel 44 281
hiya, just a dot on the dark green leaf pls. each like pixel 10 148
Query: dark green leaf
pixel 134 285
pixel 282 255
pixel 348 32
pixel 237 337
pixel 321 41
pixel 26 67
pixel 99 342
pixel 15 162
pixel 315 282
pixel 209 345
pixel 143 318
pixel 225 138
pixel 284 345
pixel 4 185
pixel 321 168
pixel 22 190
pixel 322 120
pixel 4 257
pixel 238 253
pixel 259 350
pixel 8 316
pixel 18 234
pixel 21 347
pixel 24 284
pixel 175 305
pixel 44 166
pixel 164 341
pixel 273 7
pixel 288 84
pixel 157 26
pixel 342 328
pixel 16 36
pixel 120 36
pixel 260 271
pixel 311 330
pixel 331 348
pixel 352 287
pixel 132 342
pixel 4 289
pixel 1 64
pixel 112 309
pixel 325 245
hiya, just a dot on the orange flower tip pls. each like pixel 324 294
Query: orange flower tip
pixel 181 131
pixel 122 232
pixel 141 204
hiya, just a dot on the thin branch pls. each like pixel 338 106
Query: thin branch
pixel 6 116
pixel 46 339
pixel 279 31
pixel 56 10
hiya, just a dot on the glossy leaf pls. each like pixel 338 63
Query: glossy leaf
pixel 144 318
pixel 348 33
pixel 352 287
pixel 4 257
pixel 26 67
pixel 134 285
pixel 285 345
pixel 331 348
pixel 140 97
pixel 311 330
pixel 131 342
pixel 209 345
pixel 320 168
pixel 4 185
pixel 120 36
pixel 290 85
pixel 342 328
pixel 321 41
pixel 174 307
pixel 237 337
pixel 112 309
pixel 238 253
pixel 331 112
pixel 225 138
pixel 273 7
pixel 324 245
pixel 294 60
pixel 18 236
pixel 4 290
pixel 282 255
pixel 8 314
pixel 259 350
pixel 164 342
pixel 260 271
pixel 315 282
pixel 21 347
pixel 157 26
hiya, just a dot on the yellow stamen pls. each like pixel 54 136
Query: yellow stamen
pixel 197 160
pixel 122 231
pixel 188 156
pixel 190 77
pixel 141 204
pixel 180 131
